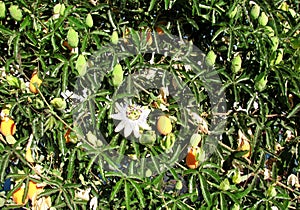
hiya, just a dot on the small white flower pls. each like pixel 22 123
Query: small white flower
pixel 83 194
pixel 132 118
pixel 293 180
pixel 94 203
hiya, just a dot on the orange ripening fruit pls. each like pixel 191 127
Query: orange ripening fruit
pixel 164 125
pixel 18 196
pixel 8 126
pixel 34 83
pixel 191 160
pixel 67 135
pixel 33 190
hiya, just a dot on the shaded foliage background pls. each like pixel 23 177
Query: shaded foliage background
pixel 226 180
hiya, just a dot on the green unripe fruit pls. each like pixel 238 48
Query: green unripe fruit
pixel 148 138
pixel 2 9
pixel 15 12
pixel 255 11
pixel 89 21
pixel 236 64
pixel 263 19
pixel 114 37
pixel 81 65
pixel 117 75
pixel 72 37
pixel 275 43
pixel 178 185
pixel 59 103
pixel 210 58
pixel 195 139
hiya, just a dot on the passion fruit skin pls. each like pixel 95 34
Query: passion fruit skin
pixel 8 127
pixel 164 125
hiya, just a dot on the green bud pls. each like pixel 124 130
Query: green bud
pixel 2 9
pixel 148 138
pixel 114 37
pixel 271 192
pixel 89 20
pixel 210 58
pixel 263 19
pixel 72 37
pixel 236 178
pixel 178 185
pixel 275 43
pixel 195 139
pixel 279 56
pixel 39 104
pixel 261 82
pixel 225 185
pixel 117 75
pixel 81 65
pixel 15 12
pixel 233 12
pixel 13 81
pixel 59 9
pixel 255 11
pixel 236 64
pixel 59 103
pixel 148 173
pixel 168 141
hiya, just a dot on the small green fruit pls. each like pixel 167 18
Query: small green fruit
pixel 236 64
pixel 89 21
pixel 2 9
pixel 255 11
pixel 263 19
pixel 59 103
pixel 72 37
pixel 15 12
pixel 117 75
pixel 114 37
pixel 178 185
pixel 148 138
pixel 59 9
pixel 210 58
pixel 195 139
pixel 81 65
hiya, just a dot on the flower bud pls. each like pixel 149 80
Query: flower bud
pixel 15 12
pixel 117 75
pixel 236 64
pixel 168 142
pixel 59 103
pixel 255 10
pixel 89 21
pixel 114 37
pixel 2 10
pixel 263 19
pixel 210 58
pixel 72 37
pixel 148 138
pixel 81 65
pixel 178 185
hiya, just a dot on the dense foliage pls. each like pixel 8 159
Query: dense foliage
pixel 254 46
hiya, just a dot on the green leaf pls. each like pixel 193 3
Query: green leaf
pixel 139 193
pixel 152 4
pixel 71 164
pixel 204 190
pixel 116 189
